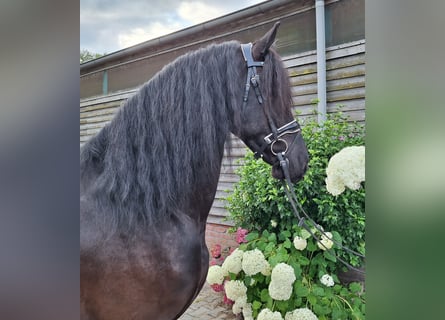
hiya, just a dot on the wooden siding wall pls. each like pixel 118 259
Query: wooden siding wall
pixel 345 87
pixel 345 77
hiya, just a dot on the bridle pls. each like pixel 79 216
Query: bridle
pixel 279 148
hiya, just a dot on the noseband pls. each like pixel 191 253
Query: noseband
pixel 278 146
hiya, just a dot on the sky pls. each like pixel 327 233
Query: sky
pixel 107 26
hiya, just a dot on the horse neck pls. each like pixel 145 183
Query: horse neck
pixel 163 156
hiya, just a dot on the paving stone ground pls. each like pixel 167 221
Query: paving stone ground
pixel 208 305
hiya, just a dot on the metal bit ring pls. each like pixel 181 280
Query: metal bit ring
pixel 273 144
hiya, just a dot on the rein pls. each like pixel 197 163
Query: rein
pixel 279 148
pixel 292 198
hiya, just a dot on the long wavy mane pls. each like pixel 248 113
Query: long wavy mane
pixel 169 134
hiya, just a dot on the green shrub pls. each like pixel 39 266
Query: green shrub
pixel 259 203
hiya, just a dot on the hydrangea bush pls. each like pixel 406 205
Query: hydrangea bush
pixel 287 276
pixel 280 271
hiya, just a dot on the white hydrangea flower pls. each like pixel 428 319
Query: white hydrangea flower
pixel 282 279
pixel 247 312
pixel 280 292
pixel 267 271
pixel 239 304
pixel 254 262
pixel 216 275
pixel 334 185
pixel 300 314
pixel 235 289
pixel 325 242
pixel 283 273
pixel 327 280
pixel 233 262
pixel 267 314
pixel 346 169
pixel 300 243
pixel 273 223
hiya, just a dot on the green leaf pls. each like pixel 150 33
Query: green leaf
pixel 265 295
pixel 303 260
pixel 282 255
pixel 285 234
pixel 312 299
pixel 337 288
pixel 282 250
pixel 251 236
pixel 305 234
pixel 311 247
pixel 355 287
pixel 301 291
pixel 256 305
pixel 270 303
pixel 261 245
pixel 274 260
pixel 298 302
pixel 320 310
pixel 272 237
pixel 269 248
pixel 328 255
pixel 287 244
pixel 338 314
pixel 247 281
pixel 282 305
pixel 297 269
pixel 318 291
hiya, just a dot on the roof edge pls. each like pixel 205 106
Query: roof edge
pixel 214 23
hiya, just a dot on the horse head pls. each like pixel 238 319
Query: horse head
pixel 266 123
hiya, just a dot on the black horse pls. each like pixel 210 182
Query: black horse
pixel 149 177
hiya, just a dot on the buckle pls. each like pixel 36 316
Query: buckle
pixel 288 128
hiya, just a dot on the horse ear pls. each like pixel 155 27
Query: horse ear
pixel 261 46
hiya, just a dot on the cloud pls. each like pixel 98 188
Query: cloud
pixel 138 35
pixel 196 12
pixel 110 25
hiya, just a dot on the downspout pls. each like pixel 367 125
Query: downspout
pixel 105 83
pixel 321 60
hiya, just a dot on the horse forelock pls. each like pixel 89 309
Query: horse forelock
pixel 166 137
